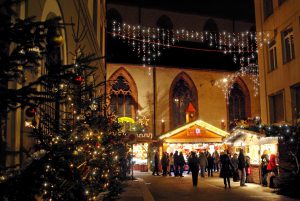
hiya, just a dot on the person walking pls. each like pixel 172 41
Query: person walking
pixel 156 161
pixel 171 164
pixel 272 170
pixel 235 163
pixel 193 163
pixel 203 163
pixel 264 170
pixel 210 165
pixel 164 163
pixel 188 158
pixel 181 163
pixel 226 169
pixel 216 157
pixel 176 164
pixel 247 168
pixel 241 166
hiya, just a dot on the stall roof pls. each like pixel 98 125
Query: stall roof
pixel 211 132
pixel 249 137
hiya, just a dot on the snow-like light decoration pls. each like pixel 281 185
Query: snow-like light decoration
pixel 226 83
pixel 148 42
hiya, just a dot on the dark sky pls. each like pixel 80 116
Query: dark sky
pixel 232 9
pixel 184 58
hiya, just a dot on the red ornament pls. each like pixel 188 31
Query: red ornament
pixel 97 144
pixel 78 80
pixel 30 112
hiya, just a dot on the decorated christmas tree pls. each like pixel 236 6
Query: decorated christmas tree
pixel 79 152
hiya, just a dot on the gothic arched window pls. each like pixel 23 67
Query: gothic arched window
pixel 211 26
pixel 113 15
pixel 121 101
pixel 182 95
pixel 164 22
pixel 237 104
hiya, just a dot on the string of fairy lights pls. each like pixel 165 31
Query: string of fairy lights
pixel 148 43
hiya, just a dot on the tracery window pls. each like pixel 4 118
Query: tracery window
pixel 121 101
pixel 181 96
pixel 237 104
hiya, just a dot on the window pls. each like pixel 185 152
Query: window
pixel 181 97
pixel 281 2
pixel 237 104
pixel 288 45
pixel 121 102
pixel 164 22
pixel 296 102
pixel 272 56
pixel 113 15
pixel 268 8
pixel 211 26
pixel 276 108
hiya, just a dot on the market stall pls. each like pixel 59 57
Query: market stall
pixel 195 136
pixel 253 144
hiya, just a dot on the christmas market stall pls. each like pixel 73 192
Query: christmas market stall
pixel 195 136
pixel 254 145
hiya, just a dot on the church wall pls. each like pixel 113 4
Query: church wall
pixel 212 106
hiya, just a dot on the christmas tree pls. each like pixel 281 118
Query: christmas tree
pixel 79 152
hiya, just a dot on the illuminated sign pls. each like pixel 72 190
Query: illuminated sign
pixel 194 131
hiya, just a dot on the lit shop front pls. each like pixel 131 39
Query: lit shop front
pixel 253 144
pixel 140 151
pixel 194 136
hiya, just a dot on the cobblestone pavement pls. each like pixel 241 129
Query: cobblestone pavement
pixel 166 188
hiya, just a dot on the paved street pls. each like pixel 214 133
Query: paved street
pixel 209 189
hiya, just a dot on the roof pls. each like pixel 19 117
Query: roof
pixel 205 130
pixel 240 136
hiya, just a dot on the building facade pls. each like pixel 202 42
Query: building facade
pixel 279 60
pixel 163 96
pixel 164 92
pixel 90 14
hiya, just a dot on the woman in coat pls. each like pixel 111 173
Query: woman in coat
pixel 203 163
pixel 235 162
pixel 226 168
pixel 264 170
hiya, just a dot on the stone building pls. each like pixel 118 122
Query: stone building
pixel 279 61
pixel 178 70
pixel 91 15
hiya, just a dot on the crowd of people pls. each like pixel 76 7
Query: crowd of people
pixel 199 163
pixel 235 166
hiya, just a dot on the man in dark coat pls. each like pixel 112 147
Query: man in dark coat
pixel 176 164
pixel 181 163
pixel 156 161
pixel 241 167
pixel 194 167
pixel 210 165
pixel 164 163
pixel 226 168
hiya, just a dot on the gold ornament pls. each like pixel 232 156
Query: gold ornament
pixel 56 40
